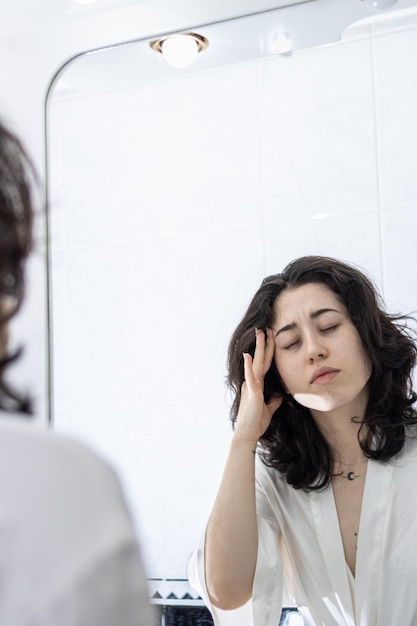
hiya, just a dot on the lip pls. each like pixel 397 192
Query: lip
pixel 324 375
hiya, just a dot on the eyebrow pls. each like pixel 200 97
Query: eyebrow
pixel 313 315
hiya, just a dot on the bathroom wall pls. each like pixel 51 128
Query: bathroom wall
pixel 169 204
pixel 36 39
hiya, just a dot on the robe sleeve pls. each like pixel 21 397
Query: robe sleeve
pixel 264 609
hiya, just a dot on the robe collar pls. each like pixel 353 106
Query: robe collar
pixel 370 545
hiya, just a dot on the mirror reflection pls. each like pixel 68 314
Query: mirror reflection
pixel 171 195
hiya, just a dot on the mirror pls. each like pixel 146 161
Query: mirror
pixel 171 195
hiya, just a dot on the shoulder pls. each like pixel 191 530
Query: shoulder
pixel 26 447
pixel 269 479
pixel 408 454
pixel 67 536
pixel 43 474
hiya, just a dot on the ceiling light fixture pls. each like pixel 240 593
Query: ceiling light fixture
pixel 180 50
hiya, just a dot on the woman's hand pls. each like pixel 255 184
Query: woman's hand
pixel 254 416
pixel 232 533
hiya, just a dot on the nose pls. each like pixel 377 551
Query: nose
pixel 315 348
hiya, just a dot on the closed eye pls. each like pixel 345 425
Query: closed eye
pixel 291 345
pixel 329 329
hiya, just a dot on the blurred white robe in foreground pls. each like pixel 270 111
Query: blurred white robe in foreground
pixel 68 552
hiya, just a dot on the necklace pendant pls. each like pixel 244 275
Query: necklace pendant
pixel 352 476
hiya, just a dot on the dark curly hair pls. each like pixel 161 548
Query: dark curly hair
pixel 293 444
pixel 16 219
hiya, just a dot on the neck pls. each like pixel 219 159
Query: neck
pixel 340 432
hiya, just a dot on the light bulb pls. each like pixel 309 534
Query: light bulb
pixel 179 50
pixel 380 5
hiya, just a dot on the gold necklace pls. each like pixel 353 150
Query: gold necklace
pixel 354 462
pixel 351 475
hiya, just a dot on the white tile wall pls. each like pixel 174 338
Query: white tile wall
pixel 353 237
pixel 147 321
pixel 170 203
pixel 317 132
pixel 399 245
pixel 396 96
pixel 170 170
pixel 170 458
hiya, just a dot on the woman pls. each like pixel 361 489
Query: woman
pixel 317 506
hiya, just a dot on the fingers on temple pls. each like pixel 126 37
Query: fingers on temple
pixel 257 367
pixel 248 368
pixel 269 349
pixel 259 356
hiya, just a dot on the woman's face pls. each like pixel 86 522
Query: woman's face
pixel 318 352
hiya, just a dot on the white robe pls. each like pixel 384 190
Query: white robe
pixel 301 559
pixel 68 550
